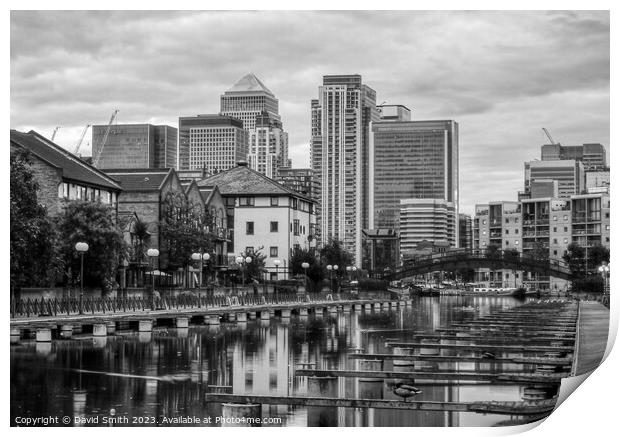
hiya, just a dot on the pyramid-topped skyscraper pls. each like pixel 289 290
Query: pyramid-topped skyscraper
pixel 246 99
pixel 256 106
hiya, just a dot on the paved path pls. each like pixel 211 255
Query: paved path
pixel 593 330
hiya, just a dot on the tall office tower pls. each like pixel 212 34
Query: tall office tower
pixel 568 173
pixel 252 102
pixel 301 180
pixel 136 146
pixel 465 232
pixel 214 142
pixel 593 155
pixel 595 180
pixel 340 120
pixel 411 160
pixel 268 147
pixel 394 113
pixel 247 99
pixel 427 219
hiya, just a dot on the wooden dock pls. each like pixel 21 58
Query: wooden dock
pixel 465 359
pixel 592 336
pixel 509 408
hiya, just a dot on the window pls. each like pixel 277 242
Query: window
pixel 516 219
pixel 484 222
pixel 249 250
pixel 249 228
pixel 516 231
pixel 555 252
pixel 273 251
pixel 246 201
pixel 555 218
pixel 296 227
pixel 565 217
pixel 516 242
pixel 607 227
pixel 273 226
pixel 507 231
pixel 230 201
pixel 565 228
pixel 555 241
pixel 566 241
pixel 555 229
pixel 274 201
pixel 507 242
pixel 507 220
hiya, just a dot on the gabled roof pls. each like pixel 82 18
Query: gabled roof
pixel 247 84
pixel 142 179
pixel 242 180
pixel 72 167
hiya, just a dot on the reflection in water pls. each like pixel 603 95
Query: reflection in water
pixel 167 372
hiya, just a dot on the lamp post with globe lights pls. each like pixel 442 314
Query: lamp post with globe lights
pixel 305 266
pixel 200 257
pixel 81 248
pixel 276 262
pixel 604 271
pixel 243 262
pixel 336 271
pixel 152 254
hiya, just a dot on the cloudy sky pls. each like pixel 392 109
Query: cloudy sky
pixel 501 75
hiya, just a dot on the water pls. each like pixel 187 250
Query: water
pixel 146 377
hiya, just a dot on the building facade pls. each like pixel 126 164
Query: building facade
pixel 268 147
pixel 427 220
pixel 264 215
pixel 301 180
pixel 411 160
pixel 135 146
pixel 247 99
pixel 340 120
pixel 465 232
pixel 62 176
pixel 215 142
pixel 394 113
pixel 568 173
pixel 592 155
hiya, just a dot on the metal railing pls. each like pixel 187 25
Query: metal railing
pixel 100 306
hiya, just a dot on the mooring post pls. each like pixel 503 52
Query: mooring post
pixel 100 330
pixel 43 335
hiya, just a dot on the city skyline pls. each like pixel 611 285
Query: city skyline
pixel 501 75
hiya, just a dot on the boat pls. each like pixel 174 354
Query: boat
pixel 401 290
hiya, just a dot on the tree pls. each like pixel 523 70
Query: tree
pixel 575 258
pixel 92 223
pixel 512 256
pixel 334 254
pixel 300 256
pixel 493 253
pixel 33 261
pixel 140 237
pixel 255 269
pixel 597 255
pixel 185 229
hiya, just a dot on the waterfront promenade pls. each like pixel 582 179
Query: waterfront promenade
pixel 592 334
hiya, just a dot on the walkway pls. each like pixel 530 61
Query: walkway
pixel 593 331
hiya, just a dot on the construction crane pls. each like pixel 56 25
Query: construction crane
pixel 54 133
pixel 79 143
pixel 105 138
pixel 549 136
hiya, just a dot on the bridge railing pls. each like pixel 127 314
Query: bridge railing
pixel 99 306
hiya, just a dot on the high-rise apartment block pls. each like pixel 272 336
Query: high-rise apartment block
pixel 215 142
pixel 540 227
pixel 135 146
pixel 411 160
pixel 394 113
pixel 592 155
pixel 339 155
pixel 256 106
pixel 465 232
pixel 268 147
pixel 301 180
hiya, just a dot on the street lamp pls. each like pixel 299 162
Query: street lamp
pixel 330 269
pixel 81 248
pixel 305 266
pixel 200 257
pixel 604 270
pixel 241 261
pixel 349 268
pixel 152 254
pixel 276 262
pixel 336 271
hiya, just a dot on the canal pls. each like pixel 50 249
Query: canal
pixel 148 376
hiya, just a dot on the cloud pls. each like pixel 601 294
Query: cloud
pixel 501 75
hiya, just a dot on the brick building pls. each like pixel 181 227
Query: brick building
pixel 63 176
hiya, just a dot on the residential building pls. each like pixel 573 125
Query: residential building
pixel 465 232
pixel 215 142
pixel 394 113
pixel 592 155
pixel 135 146
pixel 411 160
pixel 268 147
pixel 264 215
pixel 340 120
pixel 569 174
pixel 590 219
pixel 597 179
pixel 247 99
pixel 541 188
pixel 301 180
pixel 62 176
pixel 427 219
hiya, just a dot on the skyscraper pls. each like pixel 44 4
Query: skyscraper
pixel 215 142
pixel 340 120
pixel 256 106
pixel 593 155
pixel 568 173
pixel 411 160
pixel 136 146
